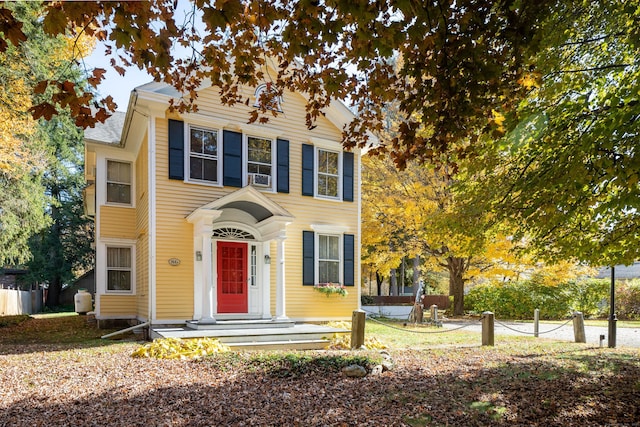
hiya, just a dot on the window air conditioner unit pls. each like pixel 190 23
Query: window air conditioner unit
pixel 259 179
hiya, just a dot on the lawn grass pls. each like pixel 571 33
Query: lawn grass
pixel 58 329
pixel 603 323
pixel 401 335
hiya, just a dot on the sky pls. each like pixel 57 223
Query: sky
pixel 119 87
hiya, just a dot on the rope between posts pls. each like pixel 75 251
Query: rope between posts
pixel 414 331
pixel 533 333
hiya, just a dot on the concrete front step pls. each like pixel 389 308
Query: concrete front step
pixel 240 324
pixel 298 336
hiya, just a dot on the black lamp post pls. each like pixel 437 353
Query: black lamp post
pixel 612 310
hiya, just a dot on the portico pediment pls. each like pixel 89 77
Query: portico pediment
pixel 268 217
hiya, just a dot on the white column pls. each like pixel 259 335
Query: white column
pixel 281 313
pixel 202 220
pixel 207 282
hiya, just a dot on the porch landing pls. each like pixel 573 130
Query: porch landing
pixel 252 335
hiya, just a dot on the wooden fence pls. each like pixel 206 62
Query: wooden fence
pixel 442 301
pixel 15 302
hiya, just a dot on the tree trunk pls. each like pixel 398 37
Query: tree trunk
pixel 457 267
pixel 402 274
pixel 393 283
pixel 56 256
pixel 379 281
pixel 416 274
pixel 53 293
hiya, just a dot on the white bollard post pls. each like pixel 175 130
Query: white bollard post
pixel 578 327
pixel 536 322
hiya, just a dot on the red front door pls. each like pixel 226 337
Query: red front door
pixel 232 277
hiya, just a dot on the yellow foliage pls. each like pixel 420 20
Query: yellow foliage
pixel 175 348
pixel 530 80
pixel 16 126
pixel 498 119
pixel 79 45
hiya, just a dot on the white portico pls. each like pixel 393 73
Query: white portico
pixel 231 239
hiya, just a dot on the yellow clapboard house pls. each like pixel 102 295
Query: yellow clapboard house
pixel 201 217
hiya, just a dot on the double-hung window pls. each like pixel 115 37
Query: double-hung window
pixel 224 157
pixel 118 182
pixel 328 258
pixel 259 161
pixel 119 270
pixel 328 174
pixel 203 154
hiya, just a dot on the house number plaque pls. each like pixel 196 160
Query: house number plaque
pixel 174 262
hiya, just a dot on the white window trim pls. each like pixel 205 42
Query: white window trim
pixel 316 172
pixel 187 157
pixel 245 158
pixel 316 260
pixel 119 244
pixel 262 88
pixel 106 182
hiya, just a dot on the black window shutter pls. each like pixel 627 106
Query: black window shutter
pixel 349 259
pixel 347 176
pixel 232 159
pixel 307 170
pixel 283 165
pixel 176 149
pixel 308 259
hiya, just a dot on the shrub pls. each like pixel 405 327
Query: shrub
pixel 518 300
pixel 590 296
pixel 628 300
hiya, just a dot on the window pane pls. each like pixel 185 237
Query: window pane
pixel 196 140
pixel 322 246
pixel 118 280
pixel 118 182
pixel 259 150
pixel 203 161
pixel 332 186
pixel 210 143
pixel 195 168
pixel 329 271
pixel 329 247
pixel 333 245
pixel 328 162
pixel 118 172
pixel 118 257
pixel 210 170
pixel 119 269
pixel 118 193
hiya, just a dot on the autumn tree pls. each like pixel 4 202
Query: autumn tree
pixel 559 79
pixel 59 246
pixel 22 201
pixel 414 212
pixel 566 170
pixel 462 58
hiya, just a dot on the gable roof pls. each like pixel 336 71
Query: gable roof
pixel 337 113
pixel 109 132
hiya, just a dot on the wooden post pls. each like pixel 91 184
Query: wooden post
pixel 536 322
pixel 357 329
pixel 487 328
pixel 578 327
pixel 434 314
